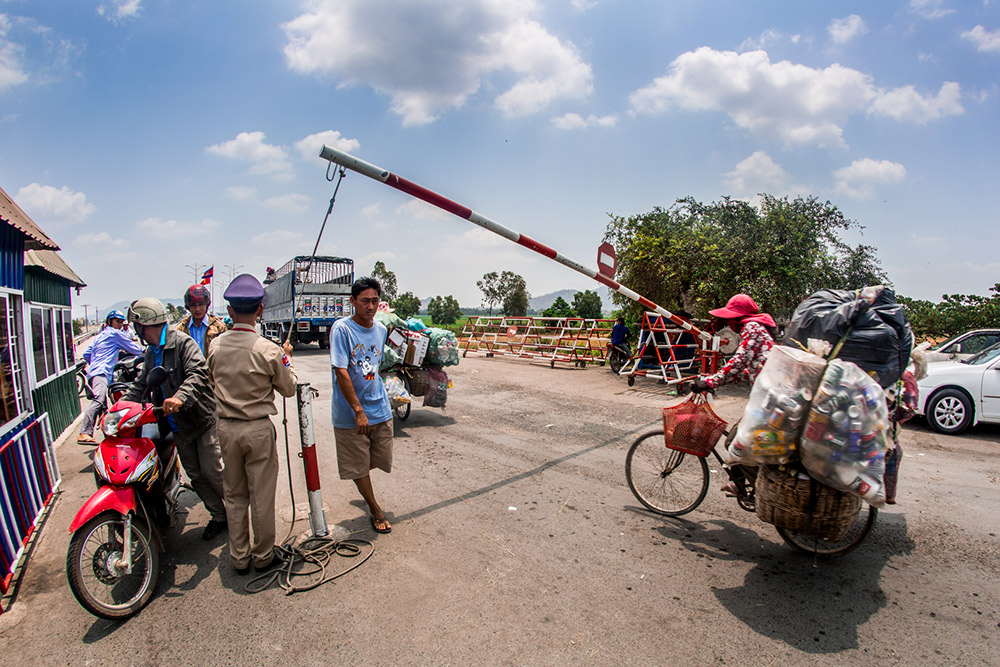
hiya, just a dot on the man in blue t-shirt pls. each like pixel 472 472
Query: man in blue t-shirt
pixel 362 418
pixel 101 357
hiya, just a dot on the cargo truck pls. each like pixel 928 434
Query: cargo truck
pixel 306 296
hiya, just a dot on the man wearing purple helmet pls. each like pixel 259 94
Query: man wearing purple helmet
pixel 199 323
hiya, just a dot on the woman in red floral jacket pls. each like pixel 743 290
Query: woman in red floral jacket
pixel 742 315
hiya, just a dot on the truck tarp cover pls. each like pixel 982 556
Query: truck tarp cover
pixel 880 338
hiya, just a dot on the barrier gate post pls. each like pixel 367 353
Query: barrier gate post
pixel 304 394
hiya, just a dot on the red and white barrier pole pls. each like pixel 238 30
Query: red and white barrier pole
pixel 317 517
pixel 377 173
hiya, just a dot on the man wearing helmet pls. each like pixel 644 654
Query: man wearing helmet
pixel 199 323
pixel 101 356
pixel 188 401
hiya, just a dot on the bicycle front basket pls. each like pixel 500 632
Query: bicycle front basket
pixel 692 426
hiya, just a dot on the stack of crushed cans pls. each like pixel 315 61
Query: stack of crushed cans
pixel 844 441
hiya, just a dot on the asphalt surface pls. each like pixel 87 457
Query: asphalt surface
pixel 516 541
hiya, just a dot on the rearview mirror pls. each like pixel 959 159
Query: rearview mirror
pixel 156 377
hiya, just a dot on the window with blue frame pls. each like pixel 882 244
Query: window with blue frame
pixel 13 380
pixel 52 348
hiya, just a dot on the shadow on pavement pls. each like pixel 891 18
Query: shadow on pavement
pixel 813 605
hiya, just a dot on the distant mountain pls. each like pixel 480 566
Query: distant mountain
pixel 540 303
pixel 123 307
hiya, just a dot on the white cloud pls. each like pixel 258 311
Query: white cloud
pixel 844 30
pixel 796 103
pixel 11 55
pixel 418 209
pixel 310 146
pixel 861 177
pixel 930 9
pixel 46 204
pixel 116 10
pixel 985 41
pixel 157 228
pixel 265 159
pixel 101 240
pixel 767 38
pixel 906 104
pixel 574 121
pixel 277 237
pixel 241 193
pixel 757 173
pixel 370 211
pixel 431 56
pixel 292 202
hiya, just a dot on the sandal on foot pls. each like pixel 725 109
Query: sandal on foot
pixel 730 488
pixel 380 525
pixel 85 439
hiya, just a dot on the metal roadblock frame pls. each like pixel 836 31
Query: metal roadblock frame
pixel 669 354
pixel 29 477
pixel 572 340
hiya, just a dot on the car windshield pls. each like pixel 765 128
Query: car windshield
pixel 984 357
pixel 942 344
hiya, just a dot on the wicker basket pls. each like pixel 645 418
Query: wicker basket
pixel 804 505
pixel 418 381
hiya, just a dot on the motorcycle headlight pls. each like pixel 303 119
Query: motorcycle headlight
pixel 111 419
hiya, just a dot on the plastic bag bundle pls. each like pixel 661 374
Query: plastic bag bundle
pixel 415 324
pixel 844 442
pixel 437 388
pixel 443 347
pixel 777 409
pixel 878 340
pixel 396 390
pixel 390 357
pixel 389 320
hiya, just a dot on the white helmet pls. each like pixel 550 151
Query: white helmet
pixel 147 312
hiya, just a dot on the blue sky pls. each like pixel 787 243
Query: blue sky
pixel 150 136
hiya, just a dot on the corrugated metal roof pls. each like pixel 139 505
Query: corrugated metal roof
pixel 12 214
pixel 51 261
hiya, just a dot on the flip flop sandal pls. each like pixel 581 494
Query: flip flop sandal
pixel 84 439
pixel 387 529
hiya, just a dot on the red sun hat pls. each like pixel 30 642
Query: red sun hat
pixel 739 306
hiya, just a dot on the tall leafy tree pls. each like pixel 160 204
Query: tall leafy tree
pixel 491 289
pixel 954 314
pixel 694 256
pixel 515 294
pixel 587 304
pixel 559 308
pixel 387 279
pixel 406 305
pixel 444 310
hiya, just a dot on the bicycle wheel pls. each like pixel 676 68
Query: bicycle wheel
pixel 402 411
pixel 616 361
pixel 664 480
pixel 856 534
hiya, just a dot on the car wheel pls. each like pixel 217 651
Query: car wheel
pixel 949 411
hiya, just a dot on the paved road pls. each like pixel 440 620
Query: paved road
pixel 517 542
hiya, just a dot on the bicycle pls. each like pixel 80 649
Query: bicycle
pixel 618 356
pixel 673 483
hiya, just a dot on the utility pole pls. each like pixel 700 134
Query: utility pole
pixel 195 269
pixel 233 268
pixel 86 320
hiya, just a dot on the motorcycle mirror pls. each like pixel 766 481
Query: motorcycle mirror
pixel 156 377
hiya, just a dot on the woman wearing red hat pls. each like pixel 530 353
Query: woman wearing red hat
pixel 743 316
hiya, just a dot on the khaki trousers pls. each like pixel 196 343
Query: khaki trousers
pixel 249 478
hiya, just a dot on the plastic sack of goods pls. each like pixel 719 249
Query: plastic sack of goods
pixel 397 391
pixel 777 409
pixel 844 441
pixel 443 347
pixel 389 320
pixel 390 357
pixel 878 339
pixel 437 388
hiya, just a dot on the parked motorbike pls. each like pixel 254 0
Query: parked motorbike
pixel 113 561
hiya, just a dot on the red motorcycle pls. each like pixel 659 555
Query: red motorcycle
pixel 113 562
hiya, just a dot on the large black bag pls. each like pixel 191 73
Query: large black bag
pixel 879 338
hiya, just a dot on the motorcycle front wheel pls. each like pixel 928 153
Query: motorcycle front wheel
pixel 94 567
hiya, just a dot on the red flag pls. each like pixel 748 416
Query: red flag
pixel 206 277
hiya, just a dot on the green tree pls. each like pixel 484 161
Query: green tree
pixel 587 304
pixel 559 308
pixel 406 305
pixel 515 294
pixel 698 255
pixel 491 288
pixel 954 314
pixel 444 310
pixel 387 279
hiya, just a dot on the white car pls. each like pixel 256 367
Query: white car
pixel 957 394
pixel 963 346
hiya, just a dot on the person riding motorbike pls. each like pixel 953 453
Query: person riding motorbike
pixel 199 323
pixel 101 356
pixel 756 330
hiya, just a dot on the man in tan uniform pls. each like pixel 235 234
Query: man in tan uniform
pixel 245 370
